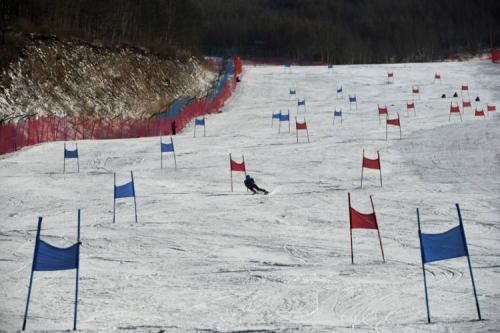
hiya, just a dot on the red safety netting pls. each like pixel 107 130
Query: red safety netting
pixel 495 56
pixel 301 126
pixel 491 108
pixel 33 131
pixel 235 166
pixel 394 122
pixel 238 67
pixel 454 109
pixel 362 221
pixel 371 164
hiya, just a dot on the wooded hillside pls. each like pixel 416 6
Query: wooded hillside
pixel 343 31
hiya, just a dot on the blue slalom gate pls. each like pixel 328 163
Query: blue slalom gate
pixel 124 191
pixel 283 118
pixel 353 100
pixel 47 258
pixel 446 245
pixel 167 148
pixel 275 116
pixel 340 93
pixel 199 122
pixel 71 154
pixel 301 103
pixel 337 113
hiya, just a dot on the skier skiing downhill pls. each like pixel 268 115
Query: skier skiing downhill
pixel 250 184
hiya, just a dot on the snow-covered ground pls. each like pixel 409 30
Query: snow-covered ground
pixel 203 258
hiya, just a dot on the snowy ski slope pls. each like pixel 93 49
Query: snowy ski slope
pixel 204 259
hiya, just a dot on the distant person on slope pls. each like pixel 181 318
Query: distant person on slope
pixel 250 184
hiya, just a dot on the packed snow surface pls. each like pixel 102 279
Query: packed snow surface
pixel 204 259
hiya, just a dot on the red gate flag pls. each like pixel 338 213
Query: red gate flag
pixel 415 90
pixel 382 110
pixel 411 106
pixel 454 109
pixel 491 108
pixel 362 221
pixel 466 104
pixel 479 113
pixel 437 76
pixel 236 167
pixel 371 164
pixel 359 220
pixel 394 122
pixel 390 74
pixel 299 127
pixel 465 87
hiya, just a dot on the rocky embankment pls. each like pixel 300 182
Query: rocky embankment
pixel 74 78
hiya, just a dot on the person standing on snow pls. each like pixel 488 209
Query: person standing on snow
pixel 250 184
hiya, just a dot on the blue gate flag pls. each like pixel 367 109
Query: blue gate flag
pixel 337 113
pixel 446 245
pixel 167 147
pixel 284 117
pixel 352 99
pixel 200 122
pixel 339 90
pixel 292 92
pixel 47 257
pixel 51 258
pixel 302 102
pixel 330 66
pixel 125 191
pixel 287 65
pixel 276 115
pixel 70 153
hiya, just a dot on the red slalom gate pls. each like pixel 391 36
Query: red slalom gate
pixel 358 220
pixel 411 106
pixel 236 167
pixel 479 113
pixel 393 122
pixel 371 164
pixel 454 109
pixel 382 111
pixel 33 131
pixel 301 127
